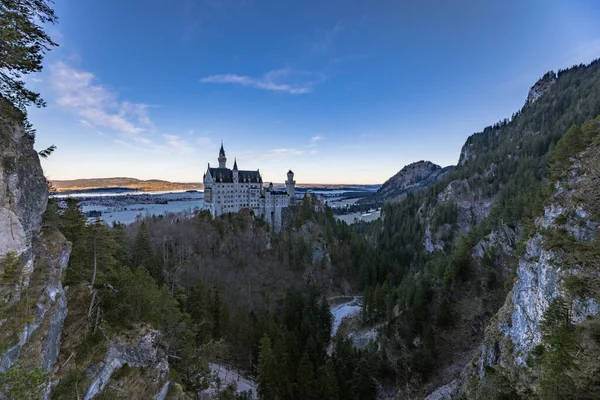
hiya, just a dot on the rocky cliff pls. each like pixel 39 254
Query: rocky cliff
pixel 34 331
pixel 33 304
pixel 540 87
pixel 23 191
pixel 560 259
pixel 413 177
pixel 497 250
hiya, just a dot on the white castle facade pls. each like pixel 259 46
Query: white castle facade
pixel 231 190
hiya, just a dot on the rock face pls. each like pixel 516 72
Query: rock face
pixel 145 352
pixel 413 177
pixel 39 340
pixel 472 207
pixel 42 258
pixel 23 190
pixel 540 87
pixel 498 247
pixel 570 217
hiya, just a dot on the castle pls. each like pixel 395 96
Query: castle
pixel 231 190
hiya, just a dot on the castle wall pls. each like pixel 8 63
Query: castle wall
pixel 224 193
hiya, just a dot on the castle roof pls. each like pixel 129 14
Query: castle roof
pixel 225 175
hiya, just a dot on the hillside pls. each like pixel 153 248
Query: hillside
pixel 461 263
pixel 412 178
pixel 130 183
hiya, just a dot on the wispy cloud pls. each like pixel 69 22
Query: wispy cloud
pixel 272 154
pixel 327 39
pixel 204 141
pixel 276 80
pixel 316 138
pixel 139 111
pixel 177 144
pixel 76 91
pixel 96 106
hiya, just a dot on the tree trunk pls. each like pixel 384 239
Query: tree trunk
pixel 97 318
pixel 95 264
pixel 91 304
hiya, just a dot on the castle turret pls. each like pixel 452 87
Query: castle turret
pixel 222 158
pixel 290 185
pixel 236 173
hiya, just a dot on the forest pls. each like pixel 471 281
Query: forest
pixel 224 290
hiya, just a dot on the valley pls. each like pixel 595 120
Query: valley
pixel 476 276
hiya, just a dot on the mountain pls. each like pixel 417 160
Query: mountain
pixel 413 177
pixel 486 281
pixel 130 183
pixel 482 283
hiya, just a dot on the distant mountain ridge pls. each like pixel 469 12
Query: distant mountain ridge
pixel 413 177
pixel 122 182
pixel 152 185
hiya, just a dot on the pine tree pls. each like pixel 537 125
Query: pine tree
pixel 122 254
pixel 10 279
pixel 327 382
pixel 268 371
pixel 305 381
pixel 558 360
pixel 363 386
pixel 143 253
pixel 23 45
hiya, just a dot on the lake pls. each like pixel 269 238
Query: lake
pixel 126 206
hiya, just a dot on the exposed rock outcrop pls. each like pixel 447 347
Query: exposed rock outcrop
pixel 144 352
pixel 39 334
pixel 472 207
pixel 37 302
pixel 570 219
pixel 23 190
pixel 413 177
pixel 540 87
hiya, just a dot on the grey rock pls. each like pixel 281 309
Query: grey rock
pixel 144 353
pixel 445 392
pixel 540 87
pixel 23 189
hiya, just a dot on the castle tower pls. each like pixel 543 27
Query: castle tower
pixel 236 173
pixel 290 185
pixel 222 158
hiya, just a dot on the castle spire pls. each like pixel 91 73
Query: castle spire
pixel 222 158
pixel 235 167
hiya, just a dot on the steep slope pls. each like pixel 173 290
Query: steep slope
pixel 413 177
pixel 33 305
pixel 561 260
pixel 448 254
pixel 33 302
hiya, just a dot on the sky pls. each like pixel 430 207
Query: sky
pixel 339 91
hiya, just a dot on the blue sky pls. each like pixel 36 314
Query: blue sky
pixel 339 91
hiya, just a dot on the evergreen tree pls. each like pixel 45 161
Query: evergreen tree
pixel 10 279
pixel 558 360
pixel 305 382
pixel 123 253
pixel 268 370
pixel 363 386
pixel 327 382
pixel 23 44
pixel 143 253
